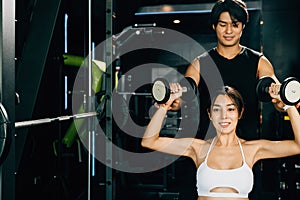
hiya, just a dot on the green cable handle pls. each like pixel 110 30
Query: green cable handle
pixel 98 68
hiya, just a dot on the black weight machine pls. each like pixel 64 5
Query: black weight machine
pixel 148 185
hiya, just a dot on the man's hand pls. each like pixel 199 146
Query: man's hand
pixel 176 105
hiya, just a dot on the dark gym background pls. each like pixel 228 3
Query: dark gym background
pixel 39 165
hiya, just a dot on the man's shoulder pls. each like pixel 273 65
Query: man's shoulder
pixel 251 51
pixel 206 53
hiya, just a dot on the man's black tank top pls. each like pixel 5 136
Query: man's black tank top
pixel 240 73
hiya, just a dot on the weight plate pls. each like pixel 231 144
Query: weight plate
pixel 262 88
pixel 160 91
pixel 290 91
pixel 5 134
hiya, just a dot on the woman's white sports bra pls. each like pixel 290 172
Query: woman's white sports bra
pixel 239 179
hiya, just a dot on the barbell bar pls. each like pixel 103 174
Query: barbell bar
pixel 29 123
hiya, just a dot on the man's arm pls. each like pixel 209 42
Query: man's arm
pixel 265 68
pixel 193 71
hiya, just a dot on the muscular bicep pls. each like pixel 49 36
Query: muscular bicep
pixel 193 71
pixel 265 68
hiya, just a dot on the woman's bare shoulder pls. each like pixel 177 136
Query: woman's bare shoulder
pixel 201 148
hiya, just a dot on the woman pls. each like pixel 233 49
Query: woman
pixel 224 163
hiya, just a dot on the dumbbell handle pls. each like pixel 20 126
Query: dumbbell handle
pixel 184 89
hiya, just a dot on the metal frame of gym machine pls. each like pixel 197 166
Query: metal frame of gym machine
pixel 7 87
pixel 7 92
pixel 108 104
pixel 108 85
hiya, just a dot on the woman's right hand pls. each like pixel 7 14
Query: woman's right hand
pixel 174 101
pixel 274 91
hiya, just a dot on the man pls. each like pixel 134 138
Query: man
pixel 239 66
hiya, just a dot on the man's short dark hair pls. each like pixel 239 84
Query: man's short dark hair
pixel 236 8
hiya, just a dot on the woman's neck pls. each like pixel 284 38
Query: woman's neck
pixel 226 140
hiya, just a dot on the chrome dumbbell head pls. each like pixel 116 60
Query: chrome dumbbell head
pixel 289 90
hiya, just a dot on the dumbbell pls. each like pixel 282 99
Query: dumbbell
pixel 161 89
pixel 289 90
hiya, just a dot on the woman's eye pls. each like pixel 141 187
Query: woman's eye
pixel 215 109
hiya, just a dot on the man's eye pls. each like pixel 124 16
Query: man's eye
pixel 236 25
